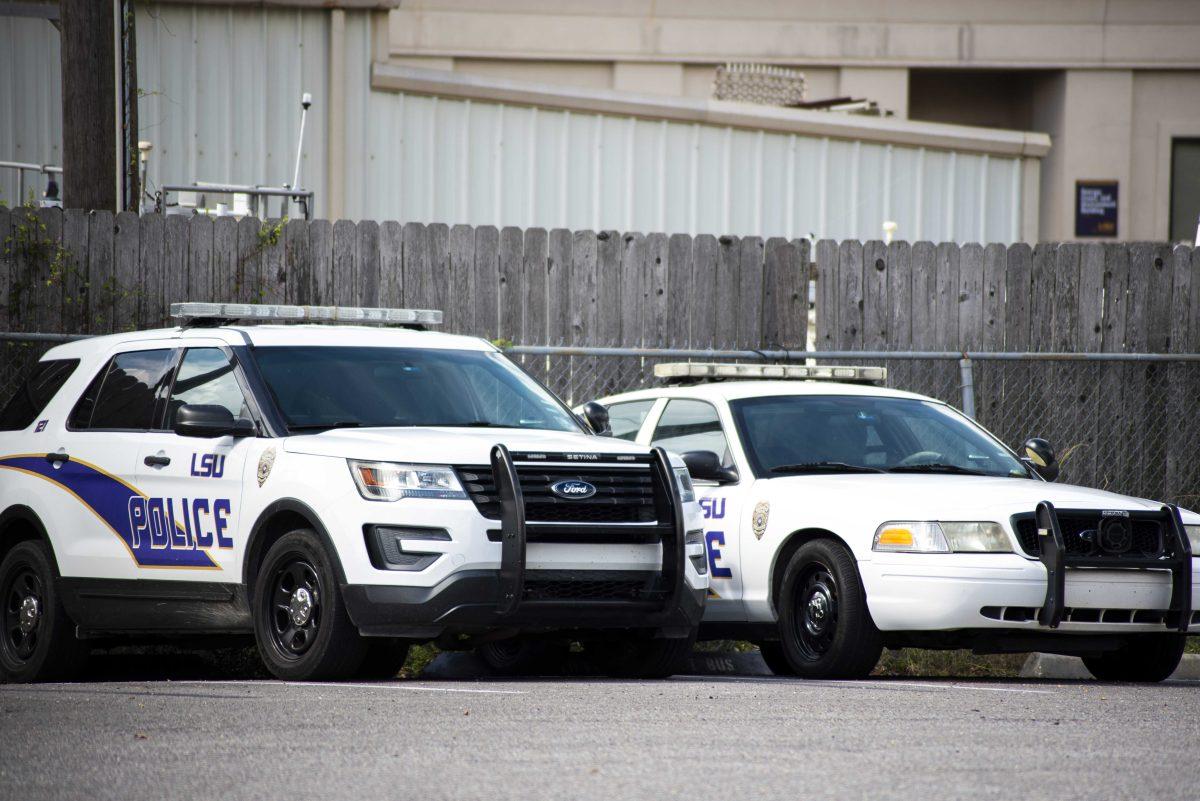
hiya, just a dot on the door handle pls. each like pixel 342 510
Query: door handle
pixel 56 458
pixel 157 461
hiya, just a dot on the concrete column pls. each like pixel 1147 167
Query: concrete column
pixel 887 86
pixel 1088 114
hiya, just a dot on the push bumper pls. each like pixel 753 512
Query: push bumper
pixel 513 597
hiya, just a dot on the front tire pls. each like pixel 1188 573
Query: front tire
pixel 773 654
pixel 825 627
pixel 644 659
pixel 515 657
pixel 37 640
pixel 300 622
pixel 1145 658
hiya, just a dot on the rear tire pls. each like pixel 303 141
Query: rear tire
pixel 644 659
pixel 773 654
pixel 300 621
pixel 385 657
pixel 825 628
pixel 37 639
pixel 1145 658
pixel 516 657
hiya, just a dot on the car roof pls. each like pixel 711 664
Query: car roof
pixel 278 335
pixel 733 390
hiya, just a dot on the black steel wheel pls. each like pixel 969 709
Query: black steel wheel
pixel 517 657
pixel 637 657
pixel 300 622
pixel 37 638
pixel 825 627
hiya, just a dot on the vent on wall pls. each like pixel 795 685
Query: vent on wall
pixel 763 84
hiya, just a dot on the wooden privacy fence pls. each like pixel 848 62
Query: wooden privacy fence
pixel 93 272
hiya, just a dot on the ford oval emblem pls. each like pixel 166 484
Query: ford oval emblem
pixel 573 489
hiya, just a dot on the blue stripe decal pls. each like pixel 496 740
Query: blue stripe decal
pixel 157 531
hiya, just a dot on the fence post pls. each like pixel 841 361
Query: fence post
pixel 967 371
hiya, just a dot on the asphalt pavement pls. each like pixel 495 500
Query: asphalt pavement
pixel 688 737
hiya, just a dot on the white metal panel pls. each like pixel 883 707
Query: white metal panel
pixel 30 102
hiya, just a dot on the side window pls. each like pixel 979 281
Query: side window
pixel 206 379
pixel 42 385
pixel 691 425
pixel 626 418
pixel 128 392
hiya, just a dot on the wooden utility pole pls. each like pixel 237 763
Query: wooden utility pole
pixel 95 161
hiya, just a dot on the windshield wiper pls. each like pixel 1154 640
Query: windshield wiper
pixel 323 426
pixel 824 467
pixel 936 467
pixel 468 424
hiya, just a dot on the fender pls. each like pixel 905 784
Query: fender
pixel 296 507
pixel 19 513
pixel 783 554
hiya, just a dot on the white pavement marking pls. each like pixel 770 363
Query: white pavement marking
pixel 866 683
pixel 389 686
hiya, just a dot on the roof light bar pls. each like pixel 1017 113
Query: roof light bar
pixel 676 371
pixel 363 315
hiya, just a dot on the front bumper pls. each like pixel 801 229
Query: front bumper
pixel 471 601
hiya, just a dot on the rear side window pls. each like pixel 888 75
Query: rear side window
pixel 692 425
pixel 125 396
pixel 37 390
pixel 625 419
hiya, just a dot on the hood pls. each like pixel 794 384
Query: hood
pixel 939 497
pixel 447 445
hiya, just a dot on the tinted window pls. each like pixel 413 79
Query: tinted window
pixel 690 425
pixel 626 418
pixel 206 379
pixel 46 380
pixel 129 392
pixel 321 387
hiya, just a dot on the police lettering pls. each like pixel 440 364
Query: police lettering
pixel 179 524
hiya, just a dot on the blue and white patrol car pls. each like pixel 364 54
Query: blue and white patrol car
pixel 843 517
pixel 340 491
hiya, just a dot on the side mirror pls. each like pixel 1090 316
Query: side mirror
pixel 210 421
pixel 1038 454
pixel 596 417
pixel 706 466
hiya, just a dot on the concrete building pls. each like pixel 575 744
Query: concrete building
pixel 1000 117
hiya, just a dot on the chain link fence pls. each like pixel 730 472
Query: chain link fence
pixel 1124 422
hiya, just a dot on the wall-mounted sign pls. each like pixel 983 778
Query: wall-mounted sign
pixel 1095 208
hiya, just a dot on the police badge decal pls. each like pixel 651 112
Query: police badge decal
pixel 265 463
pixel 758 520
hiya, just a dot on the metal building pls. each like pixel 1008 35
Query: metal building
pixel 220 90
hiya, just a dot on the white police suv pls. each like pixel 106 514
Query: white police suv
pixel 844 517
pixel 340 491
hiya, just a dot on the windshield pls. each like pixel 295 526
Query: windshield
pixel 346 387
pixel 814 434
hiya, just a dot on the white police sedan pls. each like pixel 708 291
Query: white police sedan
pixel 337 491
pixel 843 517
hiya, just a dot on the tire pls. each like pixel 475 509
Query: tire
pixel 643 659
pixel 1145 658
pixel 772 653
pixel 300 622
pixel 37 640
pixel 825 627
pixel 385 656
pixel 517 657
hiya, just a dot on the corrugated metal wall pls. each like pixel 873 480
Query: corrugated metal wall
pixel 221 89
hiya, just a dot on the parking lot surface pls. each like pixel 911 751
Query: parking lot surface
pixel 723 738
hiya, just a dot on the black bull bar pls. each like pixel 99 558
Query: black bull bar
pixel 514 531
pixel 1054 555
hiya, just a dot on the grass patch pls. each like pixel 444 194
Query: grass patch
pixel 419 657
pixel 916 662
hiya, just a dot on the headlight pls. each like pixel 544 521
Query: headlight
pixel 687 493
pixel 388 481
pixel 1193 533
pixel 927 536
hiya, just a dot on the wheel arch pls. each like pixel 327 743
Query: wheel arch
pixel 277 519
pixel 784 553
pixel 19 523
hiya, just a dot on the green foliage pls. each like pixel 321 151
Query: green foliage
pixel 962 664
pixel 270 235
pixel 502 343
pixel 419 657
